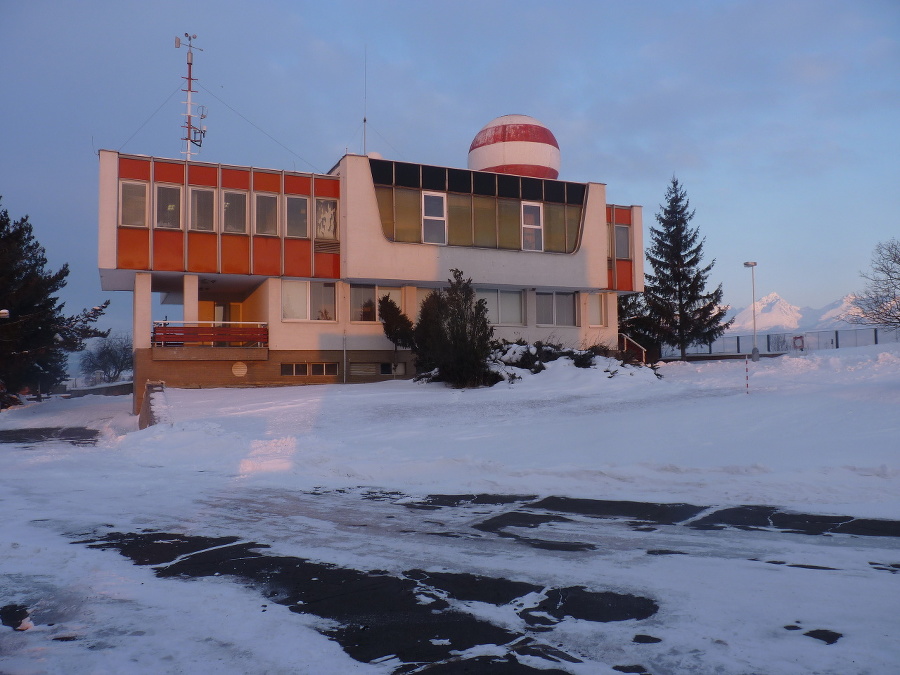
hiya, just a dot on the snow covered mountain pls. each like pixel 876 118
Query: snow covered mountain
pixel 774 314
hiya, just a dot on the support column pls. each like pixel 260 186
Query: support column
pixel 191 286
pixel 141 327
pixel 142 314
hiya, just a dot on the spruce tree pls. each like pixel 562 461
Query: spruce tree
pixel 453 333
pixel 36 337
pixel 677 310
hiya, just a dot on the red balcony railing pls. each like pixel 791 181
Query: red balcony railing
pixel 210 334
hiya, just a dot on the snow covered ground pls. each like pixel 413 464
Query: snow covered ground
pixel 289 467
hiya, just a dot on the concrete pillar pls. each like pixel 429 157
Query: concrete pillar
pixel 142 316
pixel 191 286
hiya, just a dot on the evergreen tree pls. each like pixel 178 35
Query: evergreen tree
pixel 677 310
pixel 36 337
pixel 453 333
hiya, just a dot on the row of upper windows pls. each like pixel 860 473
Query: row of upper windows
pixel 317 301
pixel 229 211
pixel 417 216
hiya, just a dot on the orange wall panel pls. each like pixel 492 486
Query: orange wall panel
pixel 328 265
pixel 237 179
pixel 328 188
pixel 200 174
pixel 235 253
pixel 297 185
pixel 136 169
pixel 168 250
pixel 133 248
pixel 266 182
pixel 168 173
pixel 624 275
pixel 267 256
pixel 202 252
pixel 297 258
pixel 619 215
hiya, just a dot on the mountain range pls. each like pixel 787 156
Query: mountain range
pixel 774 314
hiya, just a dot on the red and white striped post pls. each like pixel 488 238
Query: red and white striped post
pixel 747 371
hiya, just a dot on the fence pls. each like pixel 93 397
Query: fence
pixel 800 341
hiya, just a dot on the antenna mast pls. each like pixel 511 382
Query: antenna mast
pixel 193 135
pixel 365 93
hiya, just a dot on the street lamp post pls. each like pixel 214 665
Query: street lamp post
pixel 754 355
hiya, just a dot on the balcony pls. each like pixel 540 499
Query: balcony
pixel 210 334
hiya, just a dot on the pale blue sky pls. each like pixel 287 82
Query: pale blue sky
pixel 780 118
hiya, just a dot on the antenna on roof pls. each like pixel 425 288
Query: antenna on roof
pixel 365 94
pixel 193 135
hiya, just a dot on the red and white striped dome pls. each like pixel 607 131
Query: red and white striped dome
pixel 516 144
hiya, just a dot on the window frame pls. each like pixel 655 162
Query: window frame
pixel 179 203
pixel 498 293
pixel 257 196
pixel 196 190
pixel 443 219
pixel 308 300
pixel 336 219
pixel 287 211
pixel 224 203
pixel 538 228
pixel 627 230
pixel 146 215
pixel 378 292
pixel 597 302
pixel 555 306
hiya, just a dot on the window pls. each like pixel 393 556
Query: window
pixel 323 369
pixel 434 218
pixel 364 301
pixel 266 214
pixel 326 219
pixel 308 301
pixel 532 227
pixel 504 307
pixel 304 369
pixel 133 208
pixel 202 209
pixel 556 309
pixel 168 206
pixel 235 210
pixel 297 217
pixel 596 313
pixel 294 369
pixel 623 242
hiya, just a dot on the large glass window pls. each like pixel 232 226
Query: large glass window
pixel 202 209
pixel 459 220
pixel 509 225
pixel 134 204
pixel 434 218
pixel 363 303
pixel 532 227
pixel 484 211
pixel 322 302
pixel 504 307
pixel 308 301
pixel 234 207
pixel 596 313
pixel 326 219
pixel 168 206
pixel 623 242
pixel 266 214
pixel 364 300
pixel 297 217
pixel 556 309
